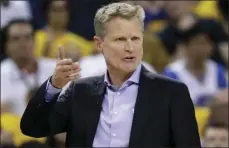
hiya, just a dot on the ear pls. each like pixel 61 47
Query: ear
pixel 98 43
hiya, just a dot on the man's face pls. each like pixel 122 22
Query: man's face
pixel 176 9
pixel 20 42
pixel 58 13
pixel 122 44
pixel 199 48
pixel 216 137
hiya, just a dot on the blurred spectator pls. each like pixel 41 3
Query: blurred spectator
pixel 216 135
pixel 56 33
pixel 203 76
pixel 21 72
pixel 216 130
pixel 179 18
pixel 182 17
pixel 217 10
pixel 11 10
pixel 10 124
pixel 217 109
pixel 162 36
pixel 219 112
pixel 222 96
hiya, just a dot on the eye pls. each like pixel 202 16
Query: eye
pixel 15 38
pixel 120 39
pixel 135 38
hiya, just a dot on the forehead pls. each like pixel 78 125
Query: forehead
pixel 57 4
pixel 200 38
pixel 121 26
pixel 211 131
pixel 20 28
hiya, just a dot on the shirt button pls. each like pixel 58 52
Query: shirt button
pixel 115 113
pixel 118 93
pixel 114 135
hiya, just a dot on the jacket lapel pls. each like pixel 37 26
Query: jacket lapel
pixel 145 105
pixel 147 92
pixel 95 106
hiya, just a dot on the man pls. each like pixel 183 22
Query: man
pixel 123 108
pixel 216 135
pixel 21 72
pixel 11 10
pixel 56 32
pixel 203 76
pixel 216 130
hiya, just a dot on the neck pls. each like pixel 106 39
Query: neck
pixel 29 66
pixel 56 29
pixel 117 77
pixel 196 67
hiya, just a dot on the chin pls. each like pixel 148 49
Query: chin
pixel 127 68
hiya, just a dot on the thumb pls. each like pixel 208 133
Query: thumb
pixel 61 52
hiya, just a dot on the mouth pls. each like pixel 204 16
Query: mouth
pixel 129 59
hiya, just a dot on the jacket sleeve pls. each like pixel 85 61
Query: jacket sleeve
pixel 183 121
pixel 42 118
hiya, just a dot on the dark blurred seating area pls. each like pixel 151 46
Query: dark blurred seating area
pixel 183 40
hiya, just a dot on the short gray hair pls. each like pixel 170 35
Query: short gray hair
pixel 124 10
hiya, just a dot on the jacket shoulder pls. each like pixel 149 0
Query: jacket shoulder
pixel 165 81
pixel 87 81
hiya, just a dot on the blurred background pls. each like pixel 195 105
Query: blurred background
pixel 184 40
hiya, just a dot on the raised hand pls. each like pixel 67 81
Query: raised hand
pixel 65 70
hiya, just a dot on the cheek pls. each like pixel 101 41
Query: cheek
pixel 140 51
pixel 12 47
pixel 30 43
pixel 112 51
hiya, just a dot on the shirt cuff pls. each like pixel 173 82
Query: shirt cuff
pixel 51 91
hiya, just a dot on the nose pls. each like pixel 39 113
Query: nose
pixel 129 46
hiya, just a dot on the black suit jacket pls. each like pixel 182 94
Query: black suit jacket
pixel 164 113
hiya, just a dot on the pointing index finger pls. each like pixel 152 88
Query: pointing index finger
pixel 61 53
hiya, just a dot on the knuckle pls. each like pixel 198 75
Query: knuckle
pixel 59 62
pixel 58 68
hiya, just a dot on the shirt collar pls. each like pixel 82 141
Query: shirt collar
pixel 16 73
pixel 134 78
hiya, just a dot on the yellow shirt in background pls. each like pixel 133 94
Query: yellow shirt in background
pixel 208 9
pixel 202 115
pixel 11 123
pixel 67 40
pixel 204 9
